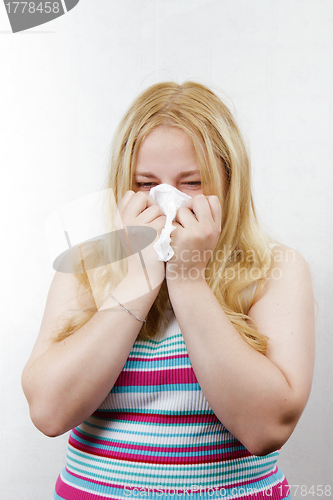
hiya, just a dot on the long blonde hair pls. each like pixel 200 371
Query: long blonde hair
pixel 242 259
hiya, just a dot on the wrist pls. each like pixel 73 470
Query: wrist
pixel 149 275
pixel 179 276
pixel 134 293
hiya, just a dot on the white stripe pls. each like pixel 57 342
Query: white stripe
pixel 149 401
pixel 159 435
pixel 197 430
pixel 156 369
pixel 158 351
pixel 228 473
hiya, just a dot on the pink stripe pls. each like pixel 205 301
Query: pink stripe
pixel 71 493
pixel 162 449
pixel 160 358
pixel 157 418
pixel 157 377
pixel 278 492
pixel 202 459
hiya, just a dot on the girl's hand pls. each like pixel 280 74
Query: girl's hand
pixel 198 227
pixel 138 209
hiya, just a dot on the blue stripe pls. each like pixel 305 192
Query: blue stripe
pixel 157 353
pixel 161 363
pixel 156 388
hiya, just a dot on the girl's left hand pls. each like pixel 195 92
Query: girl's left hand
pixel 198 227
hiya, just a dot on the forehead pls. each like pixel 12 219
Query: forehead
pixel 166 143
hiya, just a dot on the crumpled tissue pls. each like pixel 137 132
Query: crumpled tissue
pixel 169 199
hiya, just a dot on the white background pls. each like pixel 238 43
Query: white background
pixel 64 86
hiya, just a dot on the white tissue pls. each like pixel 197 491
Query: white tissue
pixel 169 199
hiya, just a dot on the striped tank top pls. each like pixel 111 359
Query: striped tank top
pixel 155 436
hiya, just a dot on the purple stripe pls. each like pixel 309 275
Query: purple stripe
pixel 157 377
pixel 159 358
pixel 157 418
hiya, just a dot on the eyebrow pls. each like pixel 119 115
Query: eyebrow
pixel 182 175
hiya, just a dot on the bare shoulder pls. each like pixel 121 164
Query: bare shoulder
pixel 289 270
pixel 285 254
pixel 289 283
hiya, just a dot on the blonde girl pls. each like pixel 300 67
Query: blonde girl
pixel 186 376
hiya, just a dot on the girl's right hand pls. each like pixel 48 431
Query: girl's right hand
pixel 139 209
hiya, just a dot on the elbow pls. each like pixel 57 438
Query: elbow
pixel 44 417
pixel 48 431
pixel 270 439
pixel 263 446
pixel 262 449
pixel 271 436
pixel 47 425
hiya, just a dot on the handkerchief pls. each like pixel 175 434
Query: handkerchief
pixel 169 199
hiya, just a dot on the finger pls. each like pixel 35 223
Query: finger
pixel 200 207
pixel 216 209
pixel 179 228
pixel 177 225
pixel 159 224
pixel 150 214
pixel 185 217
pixel 124 201
pixel 138 203
pixel 118 223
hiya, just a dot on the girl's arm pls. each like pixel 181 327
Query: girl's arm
pixel 259 398
pixel 65 382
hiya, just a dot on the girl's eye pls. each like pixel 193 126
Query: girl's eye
pixel 193 183
pixel 149 185
pixel 145 184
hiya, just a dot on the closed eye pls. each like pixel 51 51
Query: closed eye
pixel 149 185
pixel 145 184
